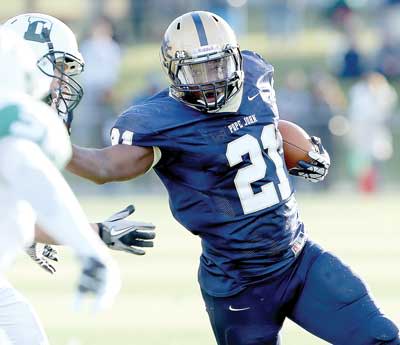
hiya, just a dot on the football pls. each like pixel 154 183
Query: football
pixel 296 143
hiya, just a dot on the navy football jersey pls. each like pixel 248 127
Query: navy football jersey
pixel 226 179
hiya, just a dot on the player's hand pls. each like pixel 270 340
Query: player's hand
pixel 126 235
pixel 316 169
pixel 99 278
pixel 42 256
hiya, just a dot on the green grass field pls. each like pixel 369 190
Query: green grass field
pixel 160 302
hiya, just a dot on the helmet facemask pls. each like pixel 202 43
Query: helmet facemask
pixel 65 92
pixel 207 81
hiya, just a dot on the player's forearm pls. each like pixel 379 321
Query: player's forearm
pixel 114 163
pixel 90 164
pixel 42 237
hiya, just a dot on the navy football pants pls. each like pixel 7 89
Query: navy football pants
pixel 318 292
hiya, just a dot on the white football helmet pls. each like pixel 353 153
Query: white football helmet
pixel 57 56
pixel 201 57
pixel 18 70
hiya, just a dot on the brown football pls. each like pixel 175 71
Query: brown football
pixel 296 143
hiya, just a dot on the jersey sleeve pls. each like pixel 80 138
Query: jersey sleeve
pixel 133 128
pixel 128 130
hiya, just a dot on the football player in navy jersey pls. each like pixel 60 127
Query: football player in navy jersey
pixel 212 138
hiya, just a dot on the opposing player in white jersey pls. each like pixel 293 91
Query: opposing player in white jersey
pixel 57 56
pixel 34 144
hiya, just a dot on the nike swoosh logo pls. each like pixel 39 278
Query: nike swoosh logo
pixel 114 232
pixel 250 98
pixel 238 309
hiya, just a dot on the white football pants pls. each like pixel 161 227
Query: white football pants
pixel 19 324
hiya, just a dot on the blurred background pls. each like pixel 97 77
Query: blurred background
pixel 337 74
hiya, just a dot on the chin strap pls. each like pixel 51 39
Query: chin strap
pixel 68 121
pixel 46 36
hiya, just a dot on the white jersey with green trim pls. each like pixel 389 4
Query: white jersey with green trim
pixel 26 118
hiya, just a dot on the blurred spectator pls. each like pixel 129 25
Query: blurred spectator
pixel 327 100
pixel 339 12
pixel 387 59
pixel 102 61
pixel 294 98
pixel 346 59
pixel 293 101
pixel 388 55
pixel 284 17
pixel 351 65
pixel 372 101
pixel 138 12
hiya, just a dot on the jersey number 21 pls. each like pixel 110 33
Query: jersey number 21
pixel 247 144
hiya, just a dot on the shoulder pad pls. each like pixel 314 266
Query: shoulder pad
pixel 254 61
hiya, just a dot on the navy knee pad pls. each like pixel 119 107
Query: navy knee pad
pixel 383 331
pixel 379 330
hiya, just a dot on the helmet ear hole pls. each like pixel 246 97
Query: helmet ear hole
pixel 178 27
pixel 18 68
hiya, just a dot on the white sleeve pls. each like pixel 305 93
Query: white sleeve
pixel 33 178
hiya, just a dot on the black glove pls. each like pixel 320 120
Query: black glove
pixel 316 169
pixel 125 235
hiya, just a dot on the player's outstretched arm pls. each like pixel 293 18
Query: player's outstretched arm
pixel 117 232
pixel 114 163
pixel 35 179
pixel 42 236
